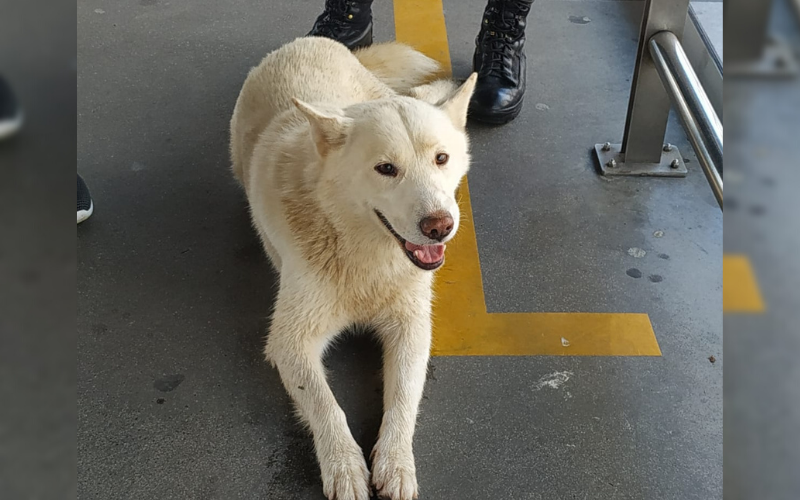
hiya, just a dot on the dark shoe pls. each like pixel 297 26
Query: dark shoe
pixel 500 62
pixel 346 21
pixel 85 203
pixel 10 111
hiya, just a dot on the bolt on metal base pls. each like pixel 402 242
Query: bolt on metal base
pixel 612 162
pixel 777 61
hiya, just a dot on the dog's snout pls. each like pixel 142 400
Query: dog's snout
pixel 437 226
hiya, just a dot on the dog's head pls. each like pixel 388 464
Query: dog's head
pixel 398 163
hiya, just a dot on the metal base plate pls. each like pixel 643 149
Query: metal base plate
pixel 777 61
pixel 606 153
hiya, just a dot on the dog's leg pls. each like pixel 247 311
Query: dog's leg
pixel 406 339
pixel 299 333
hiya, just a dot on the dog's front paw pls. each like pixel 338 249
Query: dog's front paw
pixel 345 475
pixel 394 475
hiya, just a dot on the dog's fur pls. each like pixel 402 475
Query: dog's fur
pixel 311 123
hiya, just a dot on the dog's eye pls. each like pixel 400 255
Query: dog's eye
pixel 441 159
pixel 386 169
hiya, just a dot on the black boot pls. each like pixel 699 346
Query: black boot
pixel 500 62
pixel 347 21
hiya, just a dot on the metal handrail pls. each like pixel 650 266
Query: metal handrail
pixel 690 101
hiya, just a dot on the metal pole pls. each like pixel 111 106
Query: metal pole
pixel 700 122
pixel 749 19
pixel 796 5
pixel 753 52
pixel 648 109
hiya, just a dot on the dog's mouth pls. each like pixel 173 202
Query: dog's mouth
pixel 427 257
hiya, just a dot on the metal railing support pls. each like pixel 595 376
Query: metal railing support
pixel 692 105
pixel 664 78
pixel 752 52
pixel 749 20
pixel 648 109
pixel 643 152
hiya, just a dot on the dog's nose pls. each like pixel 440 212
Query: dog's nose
pixel 437 226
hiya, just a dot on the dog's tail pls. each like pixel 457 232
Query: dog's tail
pixel 398 66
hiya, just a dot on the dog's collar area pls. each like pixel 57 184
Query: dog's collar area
pixel 422 265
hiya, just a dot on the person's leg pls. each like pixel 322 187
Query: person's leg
pixel 10 111
pixel 499 61
pixel 85 203
pixel 347 21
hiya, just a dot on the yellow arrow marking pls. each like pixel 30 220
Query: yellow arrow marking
pixel 461 324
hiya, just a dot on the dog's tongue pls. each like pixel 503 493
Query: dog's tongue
pixel 427 254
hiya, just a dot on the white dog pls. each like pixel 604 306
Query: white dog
pixel 351 166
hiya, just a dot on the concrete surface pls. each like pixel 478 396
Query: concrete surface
pixel 174 293
pixel 762 446
pixel 38 416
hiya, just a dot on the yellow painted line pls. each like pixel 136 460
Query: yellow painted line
pixel 420 23
pixel 740 292
pixel 462 326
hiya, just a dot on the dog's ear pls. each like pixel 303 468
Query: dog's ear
pixel 456 105
pixel 329 127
